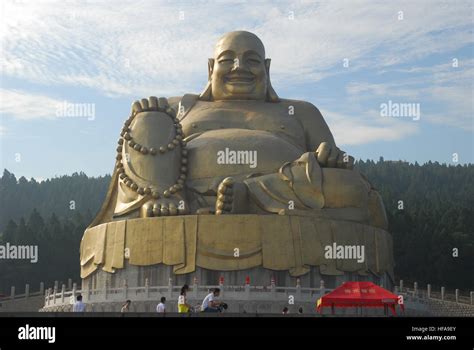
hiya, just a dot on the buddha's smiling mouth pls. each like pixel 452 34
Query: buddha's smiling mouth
pixel 239 79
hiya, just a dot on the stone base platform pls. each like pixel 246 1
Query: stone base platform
pixel 206 247
pixel 280 257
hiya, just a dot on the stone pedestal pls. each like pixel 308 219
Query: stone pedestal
pixel 236 243
pixel 232 250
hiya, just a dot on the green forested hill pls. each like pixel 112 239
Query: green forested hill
pixel 437 216
pixel 52 214
pixel 65 196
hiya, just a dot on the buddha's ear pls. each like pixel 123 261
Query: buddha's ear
pixel 271 94
pixel 267 66
pixel 206 95
pixel 210 67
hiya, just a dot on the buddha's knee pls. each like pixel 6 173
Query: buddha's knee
pixel 376 209
pixel 344 188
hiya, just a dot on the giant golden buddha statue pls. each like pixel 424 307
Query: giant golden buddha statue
pixel 234 169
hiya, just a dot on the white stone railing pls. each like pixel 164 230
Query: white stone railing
pixel 27 294
pixel 196 292
pixel 66 294
pixel 429 293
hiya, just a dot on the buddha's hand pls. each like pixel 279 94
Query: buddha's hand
pixel 153 104
pixel 330 156
pixel 174 205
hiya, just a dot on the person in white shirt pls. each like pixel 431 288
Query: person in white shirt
pixel 161 307
pixel 79 306
pixel 210 304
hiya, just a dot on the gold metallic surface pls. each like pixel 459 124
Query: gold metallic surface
pixel 276 242
pixel 300 194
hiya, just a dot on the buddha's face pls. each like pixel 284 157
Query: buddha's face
pixel 239 71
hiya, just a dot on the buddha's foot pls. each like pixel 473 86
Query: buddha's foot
pixel 225 196
pixel 164 207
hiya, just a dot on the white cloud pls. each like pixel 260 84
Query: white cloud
pixel 27 106
pixel 444 92
pixel 460 107
pixel 356 130
pixel 141 48
pixel 129 48
pixel 370 90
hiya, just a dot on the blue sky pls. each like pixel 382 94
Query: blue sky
pixel 108 54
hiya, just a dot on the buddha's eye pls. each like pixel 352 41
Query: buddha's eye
pixel 254 61
pixel 226 60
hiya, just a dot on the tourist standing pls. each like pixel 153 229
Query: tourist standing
pixel 183 306
pixel 79 306
pixel 161 307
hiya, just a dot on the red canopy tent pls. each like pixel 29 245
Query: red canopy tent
pixel 355 294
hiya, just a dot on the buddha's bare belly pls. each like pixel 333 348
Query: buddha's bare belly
pixel 233 152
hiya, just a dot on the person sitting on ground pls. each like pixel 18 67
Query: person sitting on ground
pixel 79 306
pixel 161 307
pixel 285 311
pixel 126 306
pixel 210 304
pixel 183 306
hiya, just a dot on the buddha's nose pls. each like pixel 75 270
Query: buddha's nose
pixel 239 64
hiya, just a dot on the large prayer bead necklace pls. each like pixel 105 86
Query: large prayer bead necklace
pixel 125 136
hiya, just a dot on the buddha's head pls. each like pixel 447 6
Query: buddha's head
pixel 239 70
